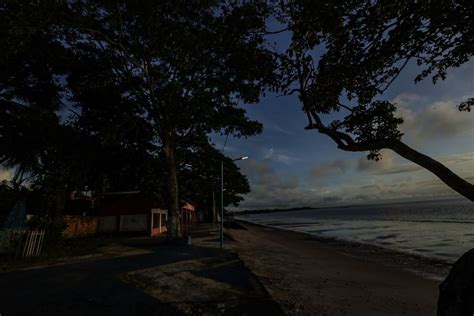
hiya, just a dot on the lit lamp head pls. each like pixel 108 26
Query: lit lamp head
pixel 241 158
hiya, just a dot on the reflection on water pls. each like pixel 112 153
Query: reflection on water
pixel 436 229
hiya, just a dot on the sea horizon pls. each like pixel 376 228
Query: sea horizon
pixel 351 204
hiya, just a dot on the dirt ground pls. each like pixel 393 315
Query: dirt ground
pixel 307 276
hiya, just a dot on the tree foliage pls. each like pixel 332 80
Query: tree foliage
pixel 344 55
pixel 185 66
pixel 107 95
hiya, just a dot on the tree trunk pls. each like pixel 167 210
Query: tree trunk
pixel 60 201
pixel 60 196
pixel 455 182
pixel 172 224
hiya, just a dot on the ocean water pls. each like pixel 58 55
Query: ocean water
pixel 436 229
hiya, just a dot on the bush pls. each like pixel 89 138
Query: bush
pixel 9 240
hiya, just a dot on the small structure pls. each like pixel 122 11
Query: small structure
pixel 188 216
pixel 158 221
pixel 130 212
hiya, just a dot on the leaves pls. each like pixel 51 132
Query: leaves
pixel 354 50
pixel 91 89
pixel 466 105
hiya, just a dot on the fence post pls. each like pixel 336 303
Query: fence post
pixel 40 244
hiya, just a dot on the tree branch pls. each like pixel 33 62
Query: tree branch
pixel 442 172
pixel 345 142
pixel 345 107
pixel 276 32
pixel 396 75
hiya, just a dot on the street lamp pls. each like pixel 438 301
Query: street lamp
pixel 222 197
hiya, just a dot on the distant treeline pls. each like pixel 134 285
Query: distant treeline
pixel 267 210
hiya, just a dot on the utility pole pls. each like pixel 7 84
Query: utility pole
pixel 222 197
pixel 222 203
pixel 213 209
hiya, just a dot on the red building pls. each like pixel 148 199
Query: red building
pixel 130 212
pixel 135 212
pixel 188 216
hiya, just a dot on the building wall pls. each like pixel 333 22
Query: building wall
pixel 107 224
pixel 79 226
pixel 134 223
pixel 124 223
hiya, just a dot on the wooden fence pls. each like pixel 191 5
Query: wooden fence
pixel 28 243
pixel 33 244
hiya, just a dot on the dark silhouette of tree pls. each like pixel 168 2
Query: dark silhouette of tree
pixel 31 63
pixel 102 95
pixel 184 65
pixel 354 50
pixel 51 151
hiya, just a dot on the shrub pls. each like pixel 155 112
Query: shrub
pixel 9 240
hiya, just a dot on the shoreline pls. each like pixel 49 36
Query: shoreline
pixel 433 268
pixel 310 275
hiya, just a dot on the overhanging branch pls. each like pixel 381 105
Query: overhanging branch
pixel 344 141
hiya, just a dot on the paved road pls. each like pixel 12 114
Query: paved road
pixel 89 288
pixel 96 288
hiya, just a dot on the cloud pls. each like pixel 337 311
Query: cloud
pixel 437 120
pixel 5 174
pixel 270 154
pixel 363 164
pixel 274 127
pixel 279 192
pixel 386 165
pixel 410 99
pixel 390 163
pixel 458 158
pixel 330 168
pixel 286 159
pixel 395 189
pixel 410 185
pixel 269 189
pixel 348 181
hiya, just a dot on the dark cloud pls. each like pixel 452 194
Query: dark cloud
pixel 331 198
pixel 270 189
pixel 335 167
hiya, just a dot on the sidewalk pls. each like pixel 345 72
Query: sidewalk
pixel 163 279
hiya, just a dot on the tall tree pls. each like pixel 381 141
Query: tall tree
pixel 185 65
pixel 42 82
pixel 354 50
pixel 122 150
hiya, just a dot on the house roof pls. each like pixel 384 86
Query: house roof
pixel 190 202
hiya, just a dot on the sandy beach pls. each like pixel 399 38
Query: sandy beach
pixel 308 275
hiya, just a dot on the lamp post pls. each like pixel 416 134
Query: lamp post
pixel 222 197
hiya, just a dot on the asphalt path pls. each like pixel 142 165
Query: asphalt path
pixel 90 288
